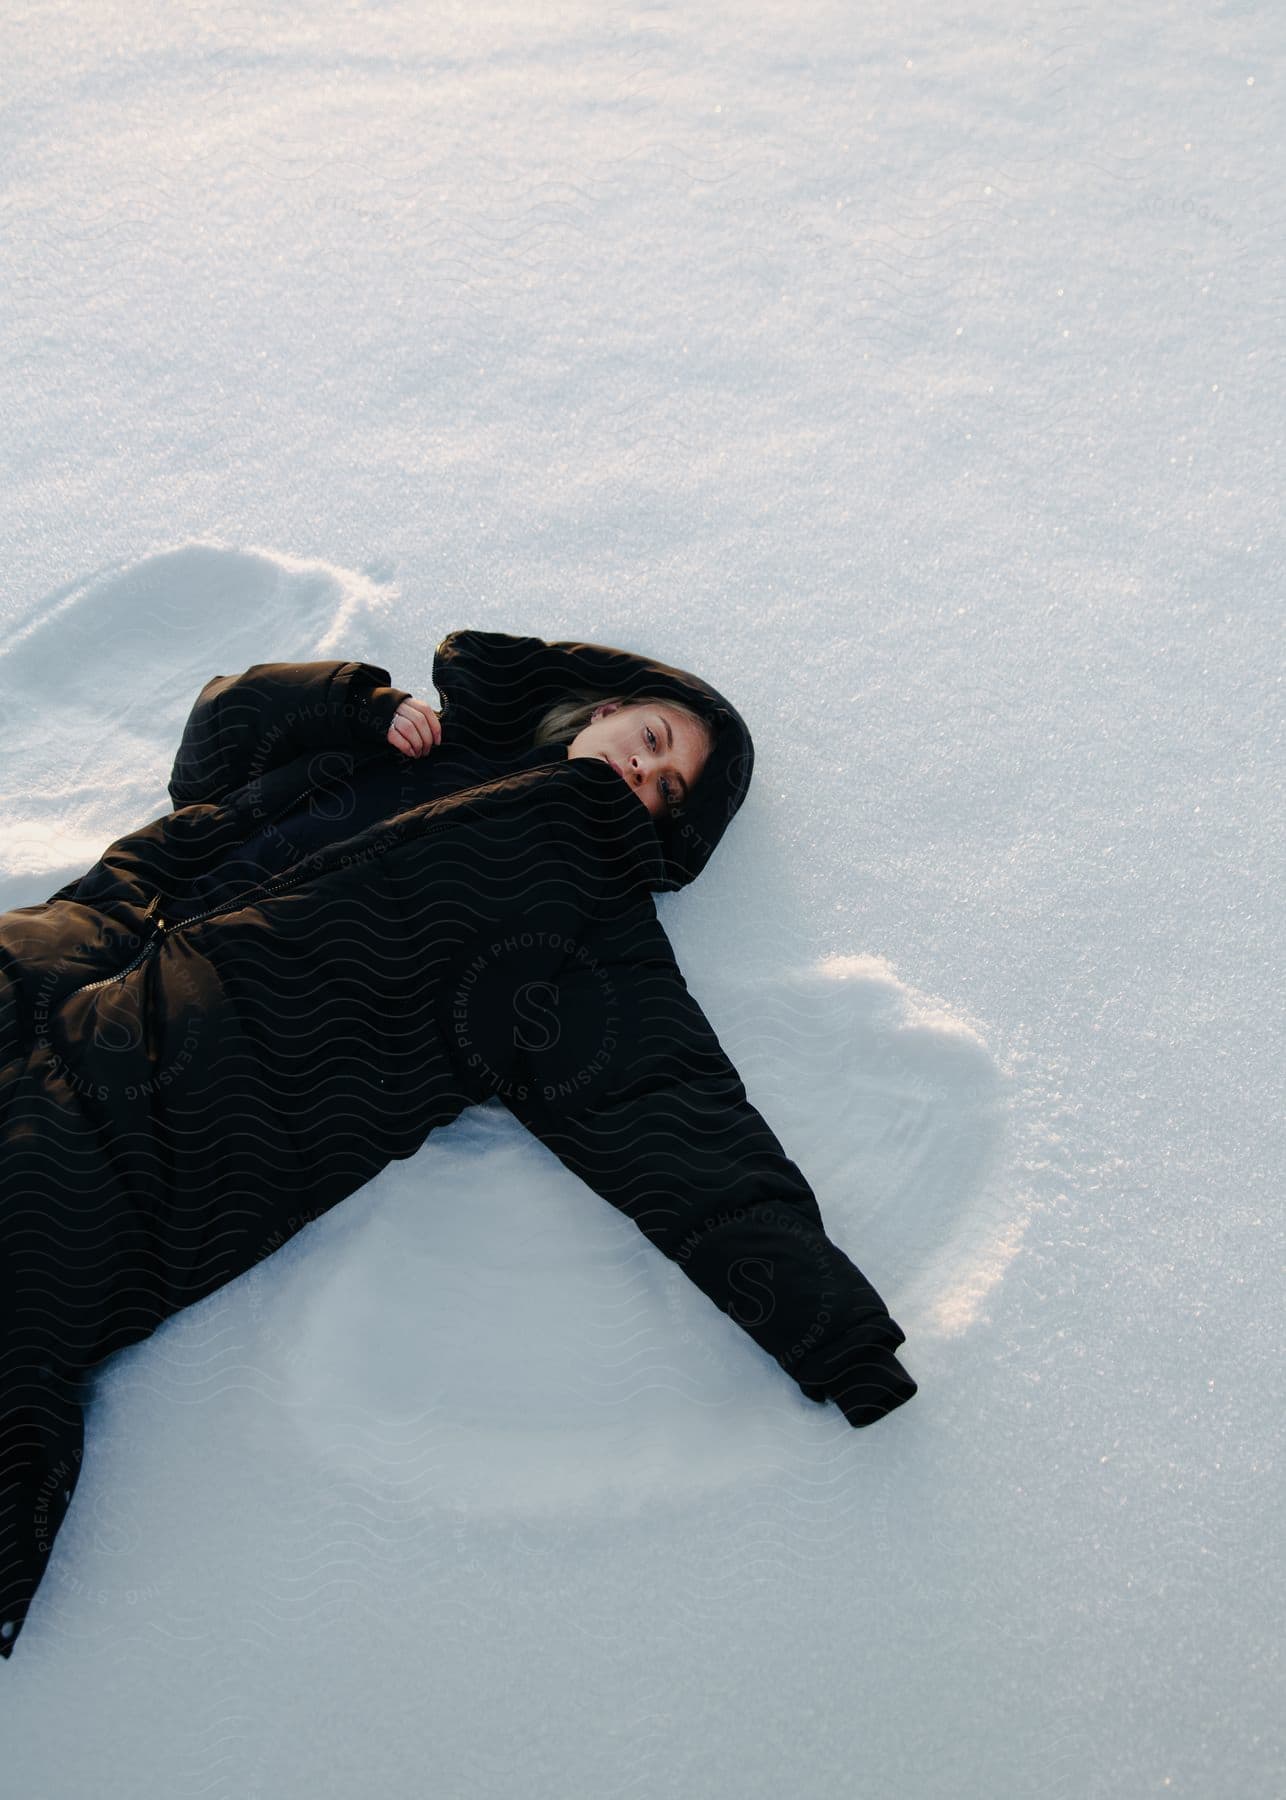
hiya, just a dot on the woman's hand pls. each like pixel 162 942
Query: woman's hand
pixel 416 728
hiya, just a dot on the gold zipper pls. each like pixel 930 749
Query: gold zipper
pixel 163 930
pixel 300 873
pixel 154 902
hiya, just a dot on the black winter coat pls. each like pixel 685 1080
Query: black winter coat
pixel 192 1068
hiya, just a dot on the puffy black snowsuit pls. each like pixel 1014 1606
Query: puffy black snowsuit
pixel 200 1054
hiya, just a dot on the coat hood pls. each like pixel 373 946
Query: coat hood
pixel 494 687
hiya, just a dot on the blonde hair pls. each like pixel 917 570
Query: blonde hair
pixel 565 721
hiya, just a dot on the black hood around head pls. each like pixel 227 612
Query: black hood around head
pixel 494 688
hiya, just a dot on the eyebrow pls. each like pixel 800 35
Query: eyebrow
pixel 669 738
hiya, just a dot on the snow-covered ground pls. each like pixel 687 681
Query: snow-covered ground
pixel 917 378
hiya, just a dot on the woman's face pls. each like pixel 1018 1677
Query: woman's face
pixel 659 750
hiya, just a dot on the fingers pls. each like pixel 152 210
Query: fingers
pixel 411 734
pixel 415 729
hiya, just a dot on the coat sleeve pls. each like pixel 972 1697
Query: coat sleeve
pixel 634 1093
pixel 241 726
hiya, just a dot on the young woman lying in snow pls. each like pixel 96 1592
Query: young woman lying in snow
pixel 361 917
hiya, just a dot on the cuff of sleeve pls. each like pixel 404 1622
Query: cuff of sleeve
pixel 860 1372
pixel 871 1385
pixel 380 705
pixel 369 703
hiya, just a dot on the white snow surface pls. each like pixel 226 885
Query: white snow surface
pixel 916 377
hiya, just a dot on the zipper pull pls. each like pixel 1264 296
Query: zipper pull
pixel 152 905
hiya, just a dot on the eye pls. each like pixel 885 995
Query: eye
pixel 667 786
